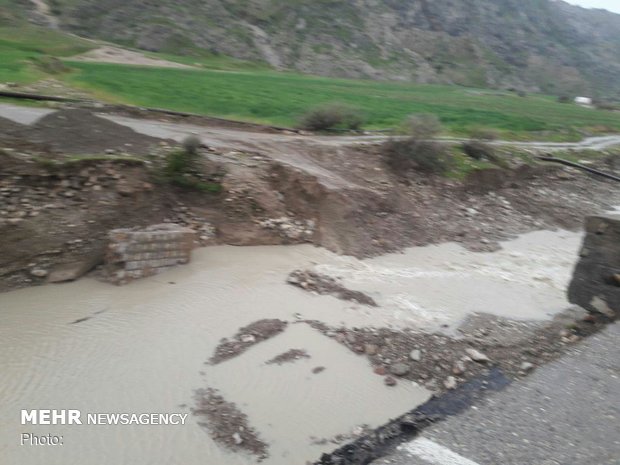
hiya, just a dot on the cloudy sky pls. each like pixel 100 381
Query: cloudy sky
pixel 611 5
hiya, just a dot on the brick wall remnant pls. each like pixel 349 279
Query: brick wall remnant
pixel 138 253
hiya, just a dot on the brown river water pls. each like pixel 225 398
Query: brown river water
pixel 144 346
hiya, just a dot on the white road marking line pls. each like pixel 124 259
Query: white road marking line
pixel 434 453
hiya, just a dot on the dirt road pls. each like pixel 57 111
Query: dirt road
pixel 239 139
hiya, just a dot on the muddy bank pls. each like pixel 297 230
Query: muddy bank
pixel 440 362
pixel 269 192
pixel 227 424
pixel 245 338
pixel 290 356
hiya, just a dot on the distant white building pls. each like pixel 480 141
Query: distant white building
pixel 585 101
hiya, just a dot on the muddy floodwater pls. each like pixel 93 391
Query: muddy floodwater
pixel 144 347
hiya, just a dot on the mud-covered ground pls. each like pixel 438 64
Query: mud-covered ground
pixel 73 176
pixel 485 347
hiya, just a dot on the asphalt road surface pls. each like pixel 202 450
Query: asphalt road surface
pixel 566 413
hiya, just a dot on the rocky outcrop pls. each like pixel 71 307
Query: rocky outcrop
pixel 596 280
pixel 540 45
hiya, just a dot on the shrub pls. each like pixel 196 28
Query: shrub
pixel 191 144
pixel 482 133
pixel 421 126
pixel 179 162
pixel 331 116
pixel 478 150
pixel 564 99
pixel 181 168
pixel 50 65
pixel 605 105
pixel 403 155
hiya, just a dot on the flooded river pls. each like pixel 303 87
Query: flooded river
pixel 143 347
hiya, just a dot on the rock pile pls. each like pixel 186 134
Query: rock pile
pixel 322 284
pixel 290 228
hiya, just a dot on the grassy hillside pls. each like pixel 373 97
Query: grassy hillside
pixel 533 45
pixel 279 98
pixel 227 87
pixel 24 50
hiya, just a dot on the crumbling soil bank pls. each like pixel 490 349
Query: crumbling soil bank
pixel 289 192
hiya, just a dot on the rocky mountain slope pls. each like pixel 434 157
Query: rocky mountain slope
pixel 531 45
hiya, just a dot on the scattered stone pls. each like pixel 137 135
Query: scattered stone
pixel 416 355
pixel 318 370
pixel 526 366
pixel 476 355
pixel 74 270
pixel 589 318
pixel 601 306
pixel 400 369
pixel 459 368
pixel 380 370
pixel 226 424
pixel 261 330
pixel 389 381
pixel 290 228
pixel 288 357
pixel 327 285
pixel 38 272
pixel 450 382
pixel 371 349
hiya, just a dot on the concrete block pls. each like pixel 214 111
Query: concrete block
pixel 596 280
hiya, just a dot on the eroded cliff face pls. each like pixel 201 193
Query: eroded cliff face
pixel 528 45
pixel 596 281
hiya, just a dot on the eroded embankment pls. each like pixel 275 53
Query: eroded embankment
pixel 57 207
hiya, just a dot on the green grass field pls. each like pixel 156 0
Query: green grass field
pixel 23 45
pixel 235 89
pixel 279 98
